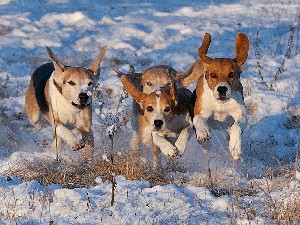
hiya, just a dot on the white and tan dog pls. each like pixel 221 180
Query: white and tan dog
pixel 219 101
pixel 63 95
pixel 149 80
pixel 165 123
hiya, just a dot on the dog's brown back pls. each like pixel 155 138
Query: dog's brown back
pixel 35 99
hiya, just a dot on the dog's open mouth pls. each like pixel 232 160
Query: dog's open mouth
pixel 223 98
pixel 80 106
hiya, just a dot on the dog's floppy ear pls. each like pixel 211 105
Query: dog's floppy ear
pixel 202 51
pixel 132 90
pixel 96 65
pixel 205 44
pixel 120 74
pixel 192 71
pixel 242 45
pixel 58 67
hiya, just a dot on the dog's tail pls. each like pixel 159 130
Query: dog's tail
pixel 195 70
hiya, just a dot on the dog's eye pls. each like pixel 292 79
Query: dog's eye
pixel 71 83
pixel 149 108
pixel 167 109
pixel 90 84
pixel 213 75
pixel 149 83
pixel 231 75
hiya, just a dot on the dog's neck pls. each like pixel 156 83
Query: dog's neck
pixel 57 86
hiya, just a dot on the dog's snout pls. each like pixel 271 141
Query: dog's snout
pixel 158 123
pixel 83 97
pixel 222 90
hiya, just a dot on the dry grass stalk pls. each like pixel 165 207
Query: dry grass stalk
pixel 82 174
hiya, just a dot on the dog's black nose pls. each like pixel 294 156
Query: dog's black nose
pixel 222 90
pixel 158 123
pixel 83 97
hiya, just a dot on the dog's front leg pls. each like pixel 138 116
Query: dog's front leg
pixel 202 130
pixel 234 132
pixel 164 145
pixel 235 141
pixel 68 136
pixel 182 139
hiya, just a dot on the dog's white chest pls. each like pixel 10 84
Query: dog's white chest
pixel 221 114
pixel 174 126
pixel 67 117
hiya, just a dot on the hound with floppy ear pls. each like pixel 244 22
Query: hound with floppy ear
pixel 63 95
pixel 219 101
pixel 165 117
pixel 147 81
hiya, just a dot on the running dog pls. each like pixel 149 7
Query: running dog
pixel 165 123
pixel 63 95
pixel 149 80
pixel 218 97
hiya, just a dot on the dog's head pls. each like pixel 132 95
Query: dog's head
pixel 151 79
pixel 223 74
pixel 76 83
pixel 158 106
pixel 156 77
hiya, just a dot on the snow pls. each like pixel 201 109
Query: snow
pixel 144 34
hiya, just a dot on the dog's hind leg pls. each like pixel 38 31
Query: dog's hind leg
pixel 88 142
pixel 35 119
pixel 206 146
pixel 157 160
pixel 135 140
pixel 32 109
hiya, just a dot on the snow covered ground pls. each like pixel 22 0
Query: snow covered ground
pixel 148 33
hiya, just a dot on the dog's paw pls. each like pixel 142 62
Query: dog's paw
pixel 169 150
pixel 203 134
pixel 206 147
pixel 177 155
pixel 77 146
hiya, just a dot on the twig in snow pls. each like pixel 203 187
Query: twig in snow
pixel 288 54
pixel 258 57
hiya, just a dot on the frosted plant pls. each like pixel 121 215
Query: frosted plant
pixel 109 111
